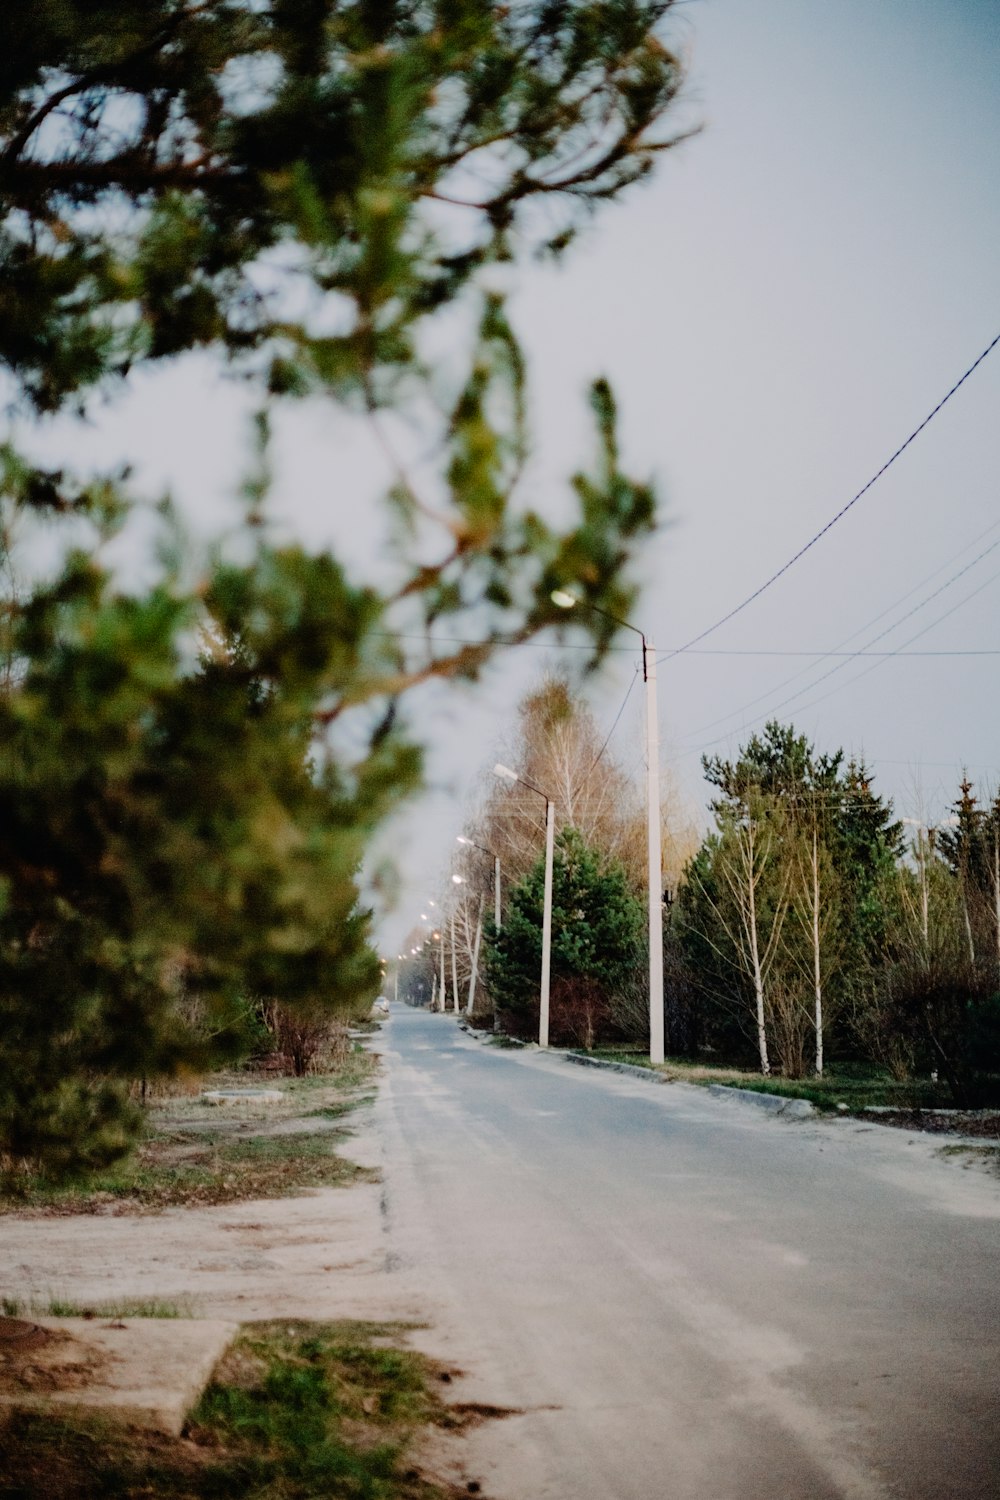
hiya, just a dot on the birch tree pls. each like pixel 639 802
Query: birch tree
pixel 751 907
pixel 559 746
pixel 816 906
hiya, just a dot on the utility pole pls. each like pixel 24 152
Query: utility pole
pixel 565 600
pixel 550 836
pixel 656 1041
pixel 443 996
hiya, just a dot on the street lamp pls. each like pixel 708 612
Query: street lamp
pixel 566 600
pixel 550 835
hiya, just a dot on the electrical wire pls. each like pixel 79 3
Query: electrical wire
pixel 589 772
pixel 711 629
pixel 853 635
pixel 818 655
pixel 848 656
pixel 881 658
pixel 934 623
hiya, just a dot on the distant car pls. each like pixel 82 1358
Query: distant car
pixel 381 1006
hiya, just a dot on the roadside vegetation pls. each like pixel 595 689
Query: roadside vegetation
pixel 295 1409
pixel 63 1307
pixel 204 727
pixel 857 1085
pixel 815 943
pixel 196 1154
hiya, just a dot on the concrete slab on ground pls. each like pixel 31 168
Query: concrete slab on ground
pixel 147 1372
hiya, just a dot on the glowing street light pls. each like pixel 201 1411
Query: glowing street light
pixel 566 600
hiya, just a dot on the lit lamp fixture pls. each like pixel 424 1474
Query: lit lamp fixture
pixel 565 600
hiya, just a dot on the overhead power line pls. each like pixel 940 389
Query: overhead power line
pixel 841 658
pixel 607 742
pixel 881 657
pixel 845 641
pixel 818 654
pixel 711 629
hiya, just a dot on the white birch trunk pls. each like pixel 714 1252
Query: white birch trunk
pixel 817 968
pixel 475 960
pixel 758 976
pixel 968 923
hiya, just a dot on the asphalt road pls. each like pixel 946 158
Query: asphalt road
pixel 687 1298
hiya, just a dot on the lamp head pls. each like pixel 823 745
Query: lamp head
pixel 506 772
pixel 564 599
pixel 458 879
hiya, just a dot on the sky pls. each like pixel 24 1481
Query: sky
pixel 789 298
pixel 786 302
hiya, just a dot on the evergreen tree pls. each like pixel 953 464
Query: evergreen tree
pixel 832 851
pixel 868 841
pixel 967 847
pixel 598 927
pixel 176 836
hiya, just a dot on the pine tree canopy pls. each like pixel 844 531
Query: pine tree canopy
pixel 170 170
pixel 193 767
pixel 598 927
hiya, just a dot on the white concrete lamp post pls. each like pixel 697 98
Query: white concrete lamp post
pixel 566 600
pixel 550 834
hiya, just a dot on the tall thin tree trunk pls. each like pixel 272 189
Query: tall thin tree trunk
pixel 817 973
pixel 758 977
pixel 475 959
pixel 964 884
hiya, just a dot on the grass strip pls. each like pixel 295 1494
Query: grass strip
pixel 63 1307
pixel 167 1172
pixel 296 1410
pixel 856 1085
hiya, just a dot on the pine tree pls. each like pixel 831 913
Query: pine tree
pixel 175 836
pixel 597 934
pixel 831 845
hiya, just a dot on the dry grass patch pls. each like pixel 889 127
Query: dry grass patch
pixel 199 1154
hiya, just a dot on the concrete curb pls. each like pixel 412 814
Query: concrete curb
pixel 146 1372
pixel 775 1104
pixel 791 1109
pixel 646 1074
